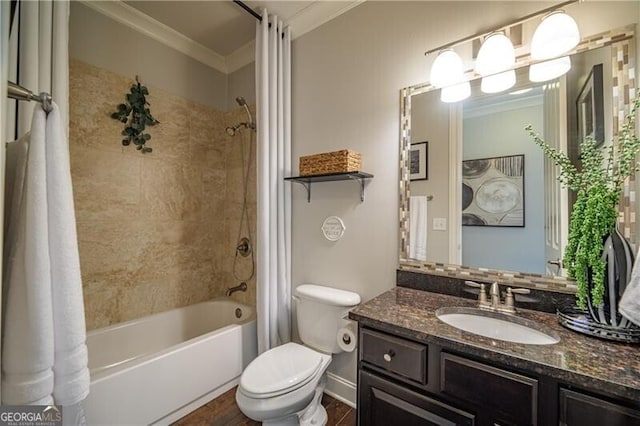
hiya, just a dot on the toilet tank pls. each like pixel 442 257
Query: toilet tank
pixel 320 311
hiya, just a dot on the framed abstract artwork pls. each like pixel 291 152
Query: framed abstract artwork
pixel 493 191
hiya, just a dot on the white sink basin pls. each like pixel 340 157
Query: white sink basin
pixel 496 325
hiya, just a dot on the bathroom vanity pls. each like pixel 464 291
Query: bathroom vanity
pixel 414 369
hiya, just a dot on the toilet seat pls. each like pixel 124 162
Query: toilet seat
pixel 281 370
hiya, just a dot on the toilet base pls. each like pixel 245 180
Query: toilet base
pixel 313 414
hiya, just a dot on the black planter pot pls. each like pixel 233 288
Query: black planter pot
pixel 618 256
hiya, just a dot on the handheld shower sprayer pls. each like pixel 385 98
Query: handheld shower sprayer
pixel 250 124
pixel 231 130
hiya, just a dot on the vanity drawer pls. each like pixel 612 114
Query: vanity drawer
pixel 511 397
pixel 400 356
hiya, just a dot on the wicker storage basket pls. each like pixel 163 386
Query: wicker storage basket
pixel 341 161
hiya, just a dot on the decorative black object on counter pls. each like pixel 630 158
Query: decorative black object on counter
pixel 618 255
pixel 582 321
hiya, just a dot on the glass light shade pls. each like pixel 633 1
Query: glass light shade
pixel 446 69
pixel 455 93
pixel 557 34
pixel 549 70
pixel 496 54
pixel 498 82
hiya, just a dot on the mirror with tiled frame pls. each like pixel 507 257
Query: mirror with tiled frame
pixel 621 86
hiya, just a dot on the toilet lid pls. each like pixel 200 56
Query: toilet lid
pixel 280 369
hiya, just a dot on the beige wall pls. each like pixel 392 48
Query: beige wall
pixel 105 43
pixel 242 82
pixel 346 80
pixel 156 231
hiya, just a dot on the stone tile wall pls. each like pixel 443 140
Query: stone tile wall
pixel 156 231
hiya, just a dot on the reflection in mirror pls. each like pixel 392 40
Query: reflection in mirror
pixel 502 207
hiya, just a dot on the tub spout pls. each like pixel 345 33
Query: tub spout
pixel 241 287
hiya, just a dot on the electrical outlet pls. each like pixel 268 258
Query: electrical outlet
pixel 439 223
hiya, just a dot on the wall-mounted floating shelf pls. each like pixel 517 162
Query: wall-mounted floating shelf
pixel 307 180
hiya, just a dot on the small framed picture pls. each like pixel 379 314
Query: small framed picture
pixel 419 161
pixel 590 107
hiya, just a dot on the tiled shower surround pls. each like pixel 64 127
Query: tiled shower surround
pixel 156 231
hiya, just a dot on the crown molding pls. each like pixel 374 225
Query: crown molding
pixel 317 14
pixel 241 57
pixel 158 31
pixel 308 19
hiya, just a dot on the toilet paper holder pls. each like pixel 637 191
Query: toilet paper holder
pixel 346 339
pixel 348 335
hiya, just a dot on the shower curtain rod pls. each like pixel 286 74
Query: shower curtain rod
pixel 17 92
pixel 249 10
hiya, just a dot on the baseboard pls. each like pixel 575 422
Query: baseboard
pixel 194 405
pixel 341 389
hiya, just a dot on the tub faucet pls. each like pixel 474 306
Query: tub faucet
pixel 240 287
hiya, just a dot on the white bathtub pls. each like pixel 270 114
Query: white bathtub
pixel 158 368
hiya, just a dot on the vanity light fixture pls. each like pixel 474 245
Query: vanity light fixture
pixel 447 69
pixel 447 73
pixel 549 70
pixel 455 93
pixel 495 61
pixel 557 34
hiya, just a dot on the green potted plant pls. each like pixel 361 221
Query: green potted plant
pixel 598 183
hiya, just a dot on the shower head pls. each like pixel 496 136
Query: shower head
pixel 240 100
pixel 231 131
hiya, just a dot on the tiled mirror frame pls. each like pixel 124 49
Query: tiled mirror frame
pixel 622 42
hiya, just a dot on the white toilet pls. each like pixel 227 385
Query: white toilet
pixel 284 386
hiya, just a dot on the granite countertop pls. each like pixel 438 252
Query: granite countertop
pixel 591 363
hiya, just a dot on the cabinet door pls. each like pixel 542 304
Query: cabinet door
pixel 577 409
pixel 384 403
pixel 510 398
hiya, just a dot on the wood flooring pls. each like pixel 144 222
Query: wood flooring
pixel 223 411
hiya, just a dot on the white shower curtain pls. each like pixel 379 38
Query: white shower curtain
pixel 273 92
pixel 38 60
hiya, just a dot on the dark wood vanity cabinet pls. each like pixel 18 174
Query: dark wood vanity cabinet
pixel 407 382
pixel 580 409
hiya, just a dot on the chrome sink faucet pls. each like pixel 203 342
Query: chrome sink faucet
pixel 494 292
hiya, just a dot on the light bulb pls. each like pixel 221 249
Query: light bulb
pixel 557 34
pixel 496 54
pixel 455 93
pixel 549 70
pixel 498 82
pixel 446 69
